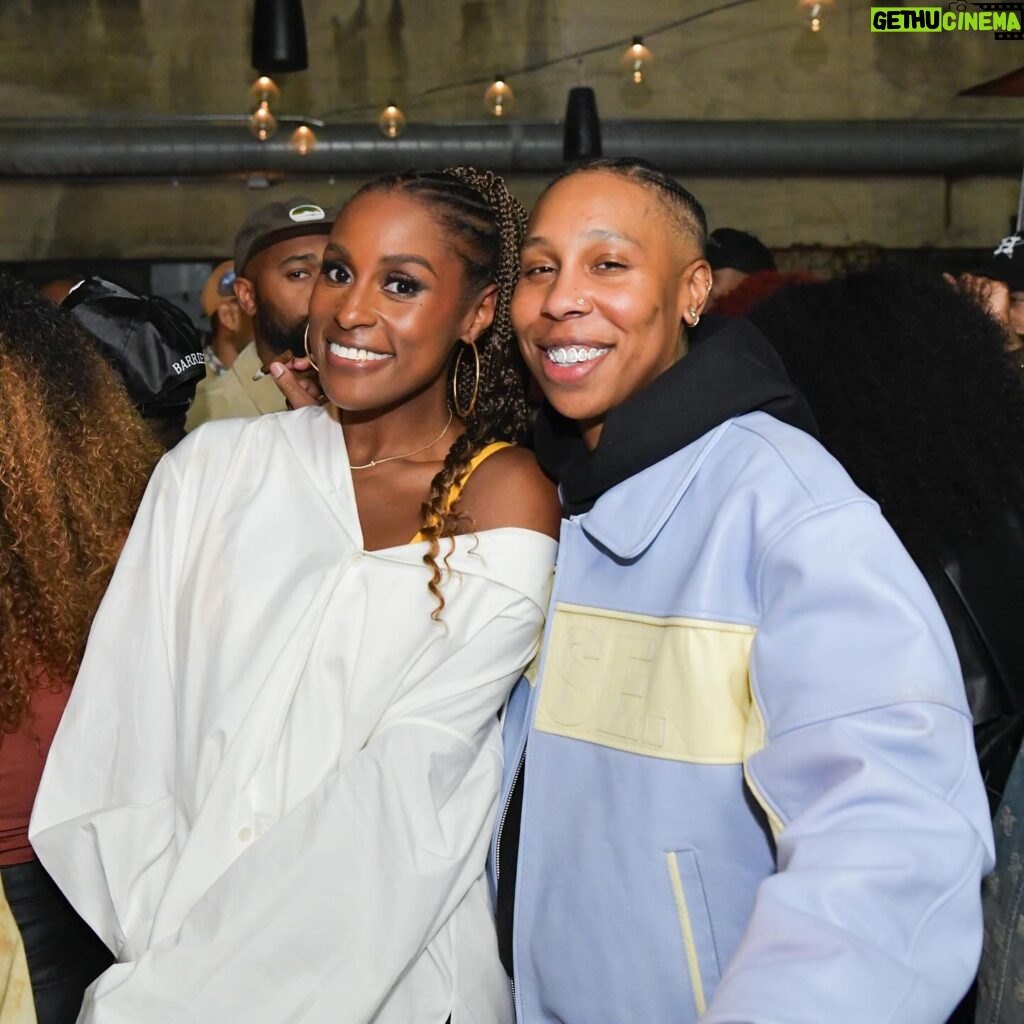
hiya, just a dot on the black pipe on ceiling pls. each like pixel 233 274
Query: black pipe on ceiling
pixel 695 148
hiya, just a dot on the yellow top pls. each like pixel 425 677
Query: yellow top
pixel 456 490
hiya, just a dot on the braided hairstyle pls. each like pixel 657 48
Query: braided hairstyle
pixel 681 205
pixel 484 224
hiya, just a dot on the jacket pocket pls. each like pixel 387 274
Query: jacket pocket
pixel 698 939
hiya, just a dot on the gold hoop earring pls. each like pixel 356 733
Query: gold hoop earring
pixel 305 343
pixel 464 414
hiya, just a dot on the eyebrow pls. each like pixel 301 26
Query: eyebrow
pixel 594 234
pixel 302 257
pixel 391 260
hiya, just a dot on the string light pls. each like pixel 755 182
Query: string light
pixel 264 90
pixel 815 12
pixel 262 122
pixel 499 98
pixel 636 60
pixel 303 140
pixel 391 121
pixel 577 55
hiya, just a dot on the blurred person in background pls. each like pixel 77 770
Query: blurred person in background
pixel 74 460
pixel 910 389
pixel 909 384
pixel 153 346
pixel 277 259
pixel 734 256
pixel 998 287
pixel 230 325
pixel 57 289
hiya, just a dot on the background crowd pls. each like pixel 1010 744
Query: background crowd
pixel 914 381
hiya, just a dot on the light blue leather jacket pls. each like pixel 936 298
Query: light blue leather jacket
pixel 751 792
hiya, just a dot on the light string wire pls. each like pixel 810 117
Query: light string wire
pixel 550 62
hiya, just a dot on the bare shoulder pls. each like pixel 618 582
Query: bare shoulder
pixel 510 489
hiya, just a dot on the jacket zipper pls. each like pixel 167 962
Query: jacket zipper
pixel 504 814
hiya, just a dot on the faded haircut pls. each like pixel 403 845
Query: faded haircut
pixel 682 206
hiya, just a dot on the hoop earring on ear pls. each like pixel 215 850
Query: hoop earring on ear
pixel 464 414
pixel 305 343
pixel 695 315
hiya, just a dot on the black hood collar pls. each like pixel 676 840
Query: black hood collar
pixel 730 371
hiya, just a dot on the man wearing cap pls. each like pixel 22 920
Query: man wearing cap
pixel 230 326
pixel 998 286
pixel 734 256
pixel 277 258
pixel 151 343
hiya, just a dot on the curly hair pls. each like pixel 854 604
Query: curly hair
pixel 484 223
pixel 913 394
pixel 74 460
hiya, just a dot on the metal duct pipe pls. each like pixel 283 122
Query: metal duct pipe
pixel 742 148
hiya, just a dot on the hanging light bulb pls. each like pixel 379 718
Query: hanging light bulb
pixel 262 122
pixel 499 97
pixel 815 10
pixel 303 140
pixel 637 60
pixel 264 90
pixel 391 121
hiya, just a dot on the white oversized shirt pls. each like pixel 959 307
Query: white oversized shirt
pixel 272 790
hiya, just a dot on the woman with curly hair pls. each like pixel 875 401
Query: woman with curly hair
pixel 912 391
pixel 74 460
pixel 326 610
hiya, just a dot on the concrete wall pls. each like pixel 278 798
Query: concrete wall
pixel 115 59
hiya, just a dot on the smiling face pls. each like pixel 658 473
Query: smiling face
pixel 607 282
pixel 390 304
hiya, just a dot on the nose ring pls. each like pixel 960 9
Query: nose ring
pixel 581 302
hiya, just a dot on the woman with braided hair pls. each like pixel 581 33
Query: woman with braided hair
pixel 328 608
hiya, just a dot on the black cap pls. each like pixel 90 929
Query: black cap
pixel 728 247
pixel 290 218
pixel 150 342
pixel 1006 263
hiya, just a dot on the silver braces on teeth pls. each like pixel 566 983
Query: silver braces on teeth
pixel 564 357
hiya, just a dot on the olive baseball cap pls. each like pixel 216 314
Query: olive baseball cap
pixel 290 218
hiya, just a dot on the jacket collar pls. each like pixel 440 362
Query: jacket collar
pixel 625 520
pixel 731 371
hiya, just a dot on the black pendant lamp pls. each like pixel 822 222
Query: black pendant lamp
pixel 278 36
pixel 581 139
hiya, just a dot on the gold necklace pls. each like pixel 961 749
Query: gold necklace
pixel 408 455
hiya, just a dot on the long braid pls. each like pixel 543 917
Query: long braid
pixel 485 224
